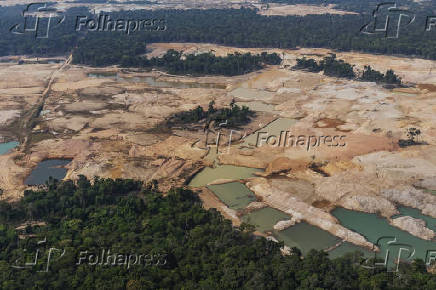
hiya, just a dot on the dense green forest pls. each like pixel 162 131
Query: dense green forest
pixel 233 27
pixel 188 247
pixel 339 68
pixel 175 62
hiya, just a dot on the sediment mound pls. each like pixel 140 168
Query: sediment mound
pixel 414 226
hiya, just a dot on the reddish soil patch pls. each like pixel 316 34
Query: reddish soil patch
pixel 321 203
pixel 429 87
pixel 328 123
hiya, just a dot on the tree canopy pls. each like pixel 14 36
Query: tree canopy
pixel 333 67
pixel 199 249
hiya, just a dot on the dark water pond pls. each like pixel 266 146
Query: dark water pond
pixel 53 167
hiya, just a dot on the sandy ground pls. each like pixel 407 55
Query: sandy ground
pixel 108 126
pixel 299 9
pixel 20 88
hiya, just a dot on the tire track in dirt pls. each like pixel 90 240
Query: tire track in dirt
pixel 28 122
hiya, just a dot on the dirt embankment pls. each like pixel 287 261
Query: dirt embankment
pixel 286 202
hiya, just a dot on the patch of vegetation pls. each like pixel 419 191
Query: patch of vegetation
pixel 233 116
pixel 329 65
pixel 336 68
pixel 340 69
pixel 308 64
pixel 413 138
pixel 175 62
pixel 372 75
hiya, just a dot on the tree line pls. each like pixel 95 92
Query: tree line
pixel 175 62
pixel 331 66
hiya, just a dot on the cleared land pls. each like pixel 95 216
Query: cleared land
pixel 109 126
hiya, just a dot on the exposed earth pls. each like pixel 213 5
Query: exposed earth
pixel 109 122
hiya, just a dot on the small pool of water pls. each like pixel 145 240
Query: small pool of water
pixel 306 237
pixel 7 147
pixel 208 174
pixel 251 94
pixel 265 218
pixel 103 75
pixel 346 248
pixel 234 194
pixel 374 227
pixel 53 167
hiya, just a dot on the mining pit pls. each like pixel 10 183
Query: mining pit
pixel 110 123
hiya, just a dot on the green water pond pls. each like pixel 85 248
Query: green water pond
pixel 234 194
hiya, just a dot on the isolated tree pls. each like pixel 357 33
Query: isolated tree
pixel 232 103
pixel 211 108
pixel 392 78
pixel 372 75
pixel 412 133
